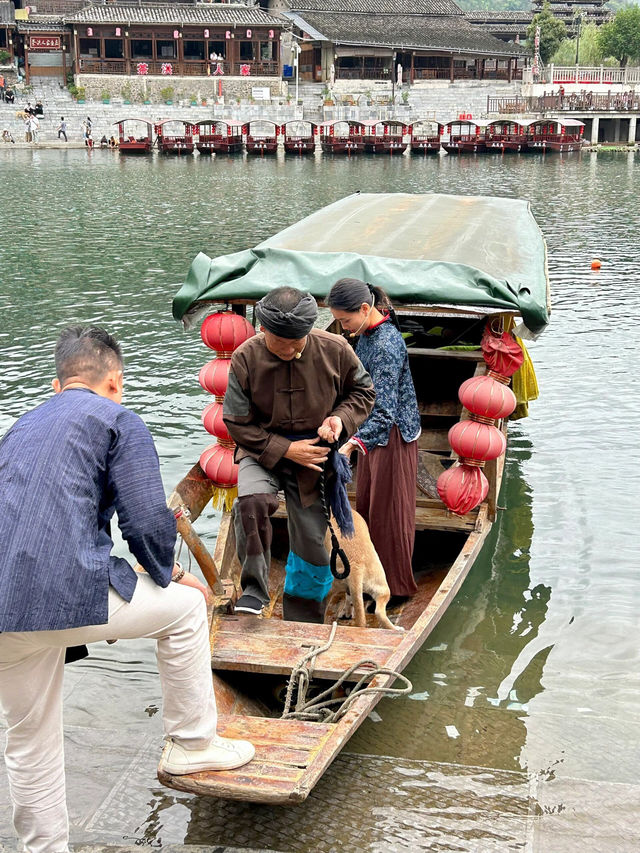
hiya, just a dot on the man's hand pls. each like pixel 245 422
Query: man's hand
pixel 347 449
pixel 307 453
pixel 330 429
pixel 191 580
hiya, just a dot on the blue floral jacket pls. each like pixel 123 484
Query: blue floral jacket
pixel 383 353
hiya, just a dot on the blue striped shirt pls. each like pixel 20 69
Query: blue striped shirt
pixel 65 468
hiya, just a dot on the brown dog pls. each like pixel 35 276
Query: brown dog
pixel 367 574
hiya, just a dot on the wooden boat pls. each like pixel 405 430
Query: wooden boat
pixel 507 135
pixel 385 137
pixel 426 136
pixel 342 136
pixel 219 136
pixel 464 136
pixel 169 139
pixel 299 136
pixel 473 276
pixel 134 136
pixel 262 136
pixel 554 134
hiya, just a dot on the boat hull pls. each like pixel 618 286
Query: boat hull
pixel 425 146
pixel 176 149
pixel 464 147
pixel 384 147
pixel 260 146
pixel 503 145
pixel 340 146
pixel 299 146
pixel 135 147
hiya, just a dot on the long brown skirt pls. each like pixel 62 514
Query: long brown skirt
pixel 386 499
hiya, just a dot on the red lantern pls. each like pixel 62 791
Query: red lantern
pixel 225 331
pixel 217 463
pixel 477 441
pixel 483 396
pixel 213 423
pixel 502 352
pixel 462 488
pixel 214 376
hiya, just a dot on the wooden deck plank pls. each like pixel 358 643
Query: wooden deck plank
pixel 285 749
pixel 273 646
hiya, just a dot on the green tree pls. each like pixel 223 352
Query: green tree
pixel 552 32
pixel 589 49
pixel 621 37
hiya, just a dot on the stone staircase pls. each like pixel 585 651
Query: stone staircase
pixel 441 100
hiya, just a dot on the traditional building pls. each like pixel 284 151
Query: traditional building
pixel 7 26
pixel 368 39
pixel 590 11
pixel 507 26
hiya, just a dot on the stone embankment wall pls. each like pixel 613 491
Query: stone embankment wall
pixel 140 89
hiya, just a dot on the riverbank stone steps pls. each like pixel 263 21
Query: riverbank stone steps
pixel 443 102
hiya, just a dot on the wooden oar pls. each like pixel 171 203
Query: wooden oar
pixel 197 547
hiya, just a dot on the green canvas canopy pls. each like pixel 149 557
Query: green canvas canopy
pixel 429 249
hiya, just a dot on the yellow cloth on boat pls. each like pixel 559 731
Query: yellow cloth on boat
pixel 524 384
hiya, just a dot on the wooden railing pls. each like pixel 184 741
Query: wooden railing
pixel 188 68
pixel 580 101
pixel 599 74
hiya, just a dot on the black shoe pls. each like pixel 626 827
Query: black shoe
pixel 248 604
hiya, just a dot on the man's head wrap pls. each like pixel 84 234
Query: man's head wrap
pixel 294 324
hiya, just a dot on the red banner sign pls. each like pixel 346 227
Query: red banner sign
pixel 44 43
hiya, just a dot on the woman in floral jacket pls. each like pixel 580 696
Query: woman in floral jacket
pixel 388 439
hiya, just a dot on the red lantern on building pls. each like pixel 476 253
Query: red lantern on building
pixel 214 376
pixel 217 463
pixel 478 441
pixel 462 487
pixel 213 423
pixel 225 331
pixel 486 397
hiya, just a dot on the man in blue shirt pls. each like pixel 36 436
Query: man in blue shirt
pixel 65 468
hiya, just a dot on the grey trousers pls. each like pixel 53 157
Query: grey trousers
pixel 308 577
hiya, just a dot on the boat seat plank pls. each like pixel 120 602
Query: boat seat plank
pixel 249 644
pixel 284 750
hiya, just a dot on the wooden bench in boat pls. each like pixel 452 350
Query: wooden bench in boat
pixel 244 642
pixel 285 749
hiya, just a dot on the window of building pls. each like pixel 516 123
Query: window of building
pixel 3 38
pixel 141 49
pixel 166 49
pixel 267 51
pixel 194 50
pixel 89 47
pixel 247 51
pixel 113 49
pixel 218 47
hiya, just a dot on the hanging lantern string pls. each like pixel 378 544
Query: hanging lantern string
pixel 499 377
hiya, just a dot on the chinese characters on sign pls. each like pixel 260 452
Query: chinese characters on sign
pixel 245 70
pixel 44 43
pixel 167 68
pixel 219 69
pixel 142 68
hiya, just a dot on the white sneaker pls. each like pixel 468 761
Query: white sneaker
pixel 221 754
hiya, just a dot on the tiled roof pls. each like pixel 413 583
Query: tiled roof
pixel 494 17
pixel 407 32
pixel 53 25
pixel 175 14
pixel 384 7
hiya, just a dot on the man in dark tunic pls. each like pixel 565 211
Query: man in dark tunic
pixel 289 387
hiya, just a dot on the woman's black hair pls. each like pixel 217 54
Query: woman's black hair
pixel 348 294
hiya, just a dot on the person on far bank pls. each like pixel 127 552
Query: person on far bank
pixel 62 129
pixel 66 467
pixel 388 439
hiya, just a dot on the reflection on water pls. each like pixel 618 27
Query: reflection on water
pixel 535 665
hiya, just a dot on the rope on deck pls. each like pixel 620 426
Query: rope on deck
pixel 321 708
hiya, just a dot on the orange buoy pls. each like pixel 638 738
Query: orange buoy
pixel 596 264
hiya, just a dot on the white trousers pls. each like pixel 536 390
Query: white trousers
pixel 31 676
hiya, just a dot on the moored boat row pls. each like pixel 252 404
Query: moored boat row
pixel 347 136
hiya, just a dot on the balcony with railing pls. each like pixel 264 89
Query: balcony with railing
pixel 628 101
pixel 175 68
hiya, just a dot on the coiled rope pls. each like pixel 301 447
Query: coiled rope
pixel 322 708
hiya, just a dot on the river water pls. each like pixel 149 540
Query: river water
pixel 521 732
